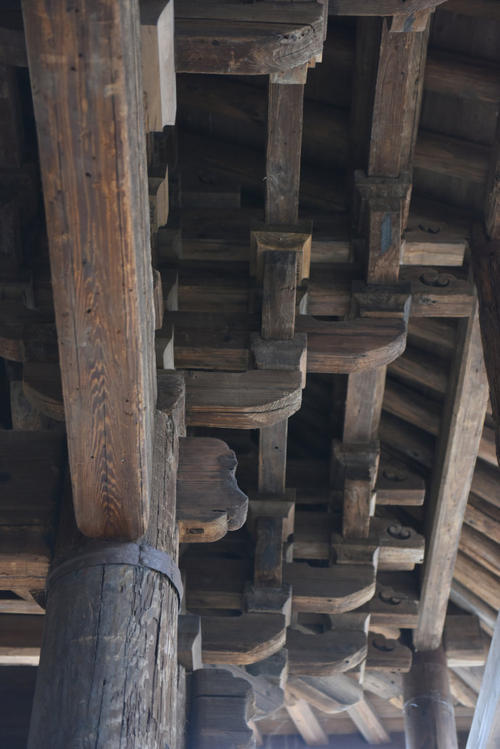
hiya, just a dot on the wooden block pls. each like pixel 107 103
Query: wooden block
pixel 377 300
pixel 241 640
pixel 209 502
pixel 279 294
pixel 31 466
pixel 278 239
pixel 273 669
pixel 395 602
pixel 158 70
pixel 189 642
pixel 267 599
pixel 273 506
pixel 242 400
pixel 284 142
pixel 268 569
pixel 330 590
pixel 272 354
pixel 109 408
pixel 398 485
pixel 209 46
pixel 324 654
pixel 220 710
pixel 416 21
pixel 464 641
pixel 387 655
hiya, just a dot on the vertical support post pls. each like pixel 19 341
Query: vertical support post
pixel 428 708
pixel 284 145
pixel 108 667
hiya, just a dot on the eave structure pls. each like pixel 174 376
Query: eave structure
pixel 249 374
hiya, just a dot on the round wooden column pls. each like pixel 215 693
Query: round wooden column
pixel 428 710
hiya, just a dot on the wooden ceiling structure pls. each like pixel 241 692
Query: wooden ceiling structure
pixel 249 266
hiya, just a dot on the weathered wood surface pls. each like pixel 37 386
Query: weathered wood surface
pixel 330 694
pixel 241 400
pixel 221 707
pixel 31 471
pixel 284 146
pixel 464 641
pixel 242 639
pixel 330 590
pixel 209 502
pixel 158 68
pixel 235 38
pixel 332 347
pixel 364 405
pixel 485 729
pixel 97 616
pixel 85 70
pixel 486 265
pixel 429 714
pixel 306 722
pixel 379 8
pixel 452 478
pixel 368 724
pixel 324 654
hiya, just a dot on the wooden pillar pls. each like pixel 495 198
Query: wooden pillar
pixel 428 708
pixel 108 666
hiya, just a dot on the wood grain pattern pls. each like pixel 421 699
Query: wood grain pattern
pixel 324 654
pixel 284 146
pixel 85 71
pixel 241 400
pixel 242 640
pixel 379 7
pixel 452 478
pixel 330 590
pixel 236 38
pixel 209 502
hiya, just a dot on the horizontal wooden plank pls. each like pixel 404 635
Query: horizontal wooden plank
pixel 235 38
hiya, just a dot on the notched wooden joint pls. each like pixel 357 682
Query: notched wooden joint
pixel 293 238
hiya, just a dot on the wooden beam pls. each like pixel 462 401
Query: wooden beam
pixel 368 723
pixel 233 38
pixel 98 226
pixel 452 478
pixel 379 7
pixel 486 265
pixel 306 723
pixel 428 710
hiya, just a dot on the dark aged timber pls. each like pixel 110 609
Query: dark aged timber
pixel 249 374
